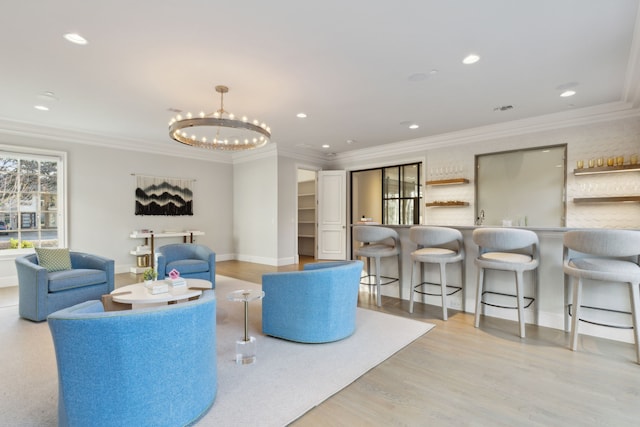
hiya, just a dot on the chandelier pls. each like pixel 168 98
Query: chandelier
pixel 219 130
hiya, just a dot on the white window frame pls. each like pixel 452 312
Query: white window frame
pixel 31 153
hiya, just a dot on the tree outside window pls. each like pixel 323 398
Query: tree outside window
pixel 28 201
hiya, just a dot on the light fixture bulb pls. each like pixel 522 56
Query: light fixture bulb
pixel 471 59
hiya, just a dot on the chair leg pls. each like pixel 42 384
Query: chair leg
pixel 463 285
pixel 378 296
pixel 443 285
pixel 520 296
pixel 577 293
pixel 634 290
pixel 479 295
pixel 400 276
pixel 411 289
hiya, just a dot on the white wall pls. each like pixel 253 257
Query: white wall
pixel 287 210
pixel 255 207
pixel 101 200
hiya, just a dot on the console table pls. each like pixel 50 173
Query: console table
pixel 149 240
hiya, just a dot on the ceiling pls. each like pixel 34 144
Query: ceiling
pixel 361 70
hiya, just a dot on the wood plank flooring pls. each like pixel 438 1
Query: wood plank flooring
pixel 457 375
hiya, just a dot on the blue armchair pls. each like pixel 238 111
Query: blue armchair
pixel 315 305
pixel 138 367
pixel 191 260
pixel 42 292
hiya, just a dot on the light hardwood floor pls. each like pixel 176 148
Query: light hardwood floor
pixel 457 375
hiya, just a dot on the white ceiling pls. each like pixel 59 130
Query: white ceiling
pixel 347 64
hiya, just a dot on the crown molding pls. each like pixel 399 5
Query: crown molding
pixel 29 130
pixel 306 156
pixel 268 151
pixel 577 117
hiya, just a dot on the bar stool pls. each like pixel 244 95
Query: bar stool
pixel 378 242
pixel 507 249
pixel 436 245
pixel 603 255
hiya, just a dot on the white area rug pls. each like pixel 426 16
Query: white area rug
pixel 287 380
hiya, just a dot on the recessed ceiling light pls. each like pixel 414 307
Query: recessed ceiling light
pixel 41 107
pixel 471 59
pixel 568 93
pixel 351 141
pixel 301 115
pixel 48 96
pixel 414 126
pixel 326 146
pixel 75 38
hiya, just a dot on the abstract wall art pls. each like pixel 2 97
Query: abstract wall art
pixel 163 196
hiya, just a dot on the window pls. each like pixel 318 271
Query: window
pixel 389 195
pixel 31 199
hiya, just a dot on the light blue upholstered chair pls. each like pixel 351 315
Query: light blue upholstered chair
pixel 146 367
pixel 42 292
pixel 604 256
pixel 441 246
pixel 191 260
pixel 507 249
pixel 378 242
pixel 315 305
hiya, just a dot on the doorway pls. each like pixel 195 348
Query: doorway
pixel 307 217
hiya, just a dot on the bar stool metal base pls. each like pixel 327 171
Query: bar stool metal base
pixel 530 300
pixel 456 289
pixel 370 280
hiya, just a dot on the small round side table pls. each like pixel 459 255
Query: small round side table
pixel 246 345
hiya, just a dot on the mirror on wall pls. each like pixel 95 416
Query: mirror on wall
pixel 521 187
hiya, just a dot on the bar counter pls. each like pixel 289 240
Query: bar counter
pixel 549 306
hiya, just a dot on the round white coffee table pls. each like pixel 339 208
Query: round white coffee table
pixel 139 294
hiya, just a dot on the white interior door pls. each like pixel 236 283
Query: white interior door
pixel 332 215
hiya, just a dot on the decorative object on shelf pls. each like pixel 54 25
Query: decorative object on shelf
pixel 220 130
pixel 163 196
pixel 607 169
pixel 149 276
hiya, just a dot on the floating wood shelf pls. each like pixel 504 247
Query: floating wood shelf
pixel 606 199
pixel 454 203
pixel 607 169
pixel 448 181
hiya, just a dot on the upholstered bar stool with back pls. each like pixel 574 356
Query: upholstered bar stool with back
pixel 378 242
pixel 436 245
pixel 604 256
pixel 507 249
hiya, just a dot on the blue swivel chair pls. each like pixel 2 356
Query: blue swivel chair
pixel 316 305
pixel 41 292
pixel 143 367
pixel 191 260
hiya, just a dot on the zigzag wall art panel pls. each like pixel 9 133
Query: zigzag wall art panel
pixel 163 196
